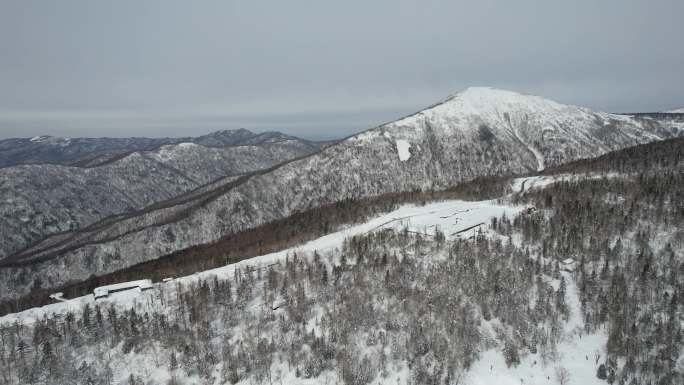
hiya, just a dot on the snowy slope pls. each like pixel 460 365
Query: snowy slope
pixel 575 355
pixel 677 111
pixel 449 216
pixel 548 132
pixel 478 132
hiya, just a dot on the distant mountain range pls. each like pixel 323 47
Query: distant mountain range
pixel 90 152
pixel 37 200
pixel 478 132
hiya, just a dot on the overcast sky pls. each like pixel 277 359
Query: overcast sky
pixel 319 69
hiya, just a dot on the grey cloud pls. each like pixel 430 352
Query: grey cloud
pixel 319 69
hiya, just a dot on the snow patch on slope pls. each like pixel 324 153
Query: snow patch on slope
pixel 187 144
pixel 403 149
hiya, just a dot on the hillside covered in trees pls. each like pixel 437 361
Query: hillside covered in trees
pixel 578 283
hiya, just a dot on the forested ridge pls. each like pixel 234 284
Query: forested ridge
pixel 385 302
pixel 276 235
pixel 626 237
pixel 666 154
pixel 598 257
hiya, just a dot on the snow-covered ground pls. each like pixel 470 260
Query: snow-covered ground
pixel 576 354
pixel 576 351
pixel 449 216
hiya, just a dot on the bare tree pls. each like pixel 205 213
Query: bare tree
pixel 562 375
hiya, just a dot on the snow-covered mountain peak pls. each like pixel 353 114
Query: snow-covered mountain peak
pixel 494 101
pixel 506 110
pixel 501 111
pixel 488 94
pixel 536 131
